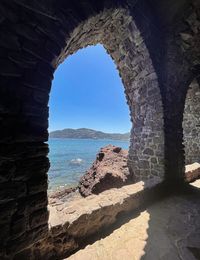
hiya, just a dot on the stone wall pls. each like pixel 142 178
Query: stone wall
pixel 191 124
pixel 177 67
pixel 190 44
pixel 35 38
pixel 156 65
pixel 116 30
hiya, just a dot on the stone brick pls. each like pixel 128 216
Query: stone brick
pixel 144 164
pixel 18 226
pixel 12 191
pixel 7 170
pixel 27 239
pixel 7 210
pixel 9 41
pixel 9 69
pixel 24 255
pixel 33 203
pixel 154 160
pixel 4 234
pixel 37 185
pixel 38 218
pixel 26 168
pixel 148 151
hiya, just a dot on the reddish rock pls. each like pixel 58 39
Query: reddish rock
pixel 192 172
pixel 108 171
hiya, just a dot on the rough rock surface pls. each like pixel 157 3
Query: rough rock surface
pixel 109 170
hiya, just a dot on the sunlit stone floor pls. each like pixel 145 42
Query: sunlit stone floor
pixel 167 230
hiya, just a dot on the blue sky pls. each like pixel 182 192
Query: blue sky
pixel 87 92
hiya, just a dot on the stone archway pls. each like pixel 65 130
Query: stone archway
pixel 34 52
pixel 118 33
pixel 35 38
pixel 191 124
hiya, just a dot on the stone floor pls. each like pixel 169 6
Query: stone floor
pixel 167 230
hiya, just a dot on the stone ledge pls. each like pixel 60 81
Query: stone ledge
pixel 192 172
pixel 74 223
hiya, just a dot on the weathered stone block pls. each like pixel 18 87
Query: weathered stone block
pixel 148 151
pixel 27 239
pixel 9 41
pixel 24 255
pixel 4 234
pixel 12 190
pixel 7 210
pixel 7 169
pixel 34 202
pixel 9 69
pixel 27 168
pixel 144 164
pixel 18 226
pixel 38 185
pixel 38 218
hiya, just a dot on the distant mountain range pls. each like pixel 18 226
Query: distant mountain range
pixel 85 133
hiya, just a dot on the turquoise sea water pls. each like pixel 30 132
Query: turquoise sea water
pixel 70 158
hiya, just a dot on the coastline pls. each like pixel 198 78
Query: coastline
pixel 66 167
pixel 100 176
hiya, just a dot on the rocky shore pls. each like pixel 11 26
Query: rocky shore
pixel 108 171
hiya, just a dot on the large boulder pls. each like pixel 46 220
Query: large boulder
pixel 108 171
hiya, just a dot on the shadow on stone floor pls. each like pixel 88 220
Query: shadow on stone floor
pixel 174 227
pixel 168 228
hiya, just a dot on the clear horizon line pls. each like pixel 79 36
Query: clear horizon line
pixel 107 132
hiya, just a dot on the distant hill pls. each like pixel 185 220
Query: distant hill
pixel 85 133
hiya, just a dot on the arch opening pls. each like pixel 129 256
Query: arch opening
pixel 117 32
pixel 88 111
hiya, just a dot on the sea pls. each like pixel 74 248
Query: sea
pixel 70 158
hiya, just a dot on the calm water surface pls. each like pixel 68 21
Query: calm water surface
pixel 70 158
